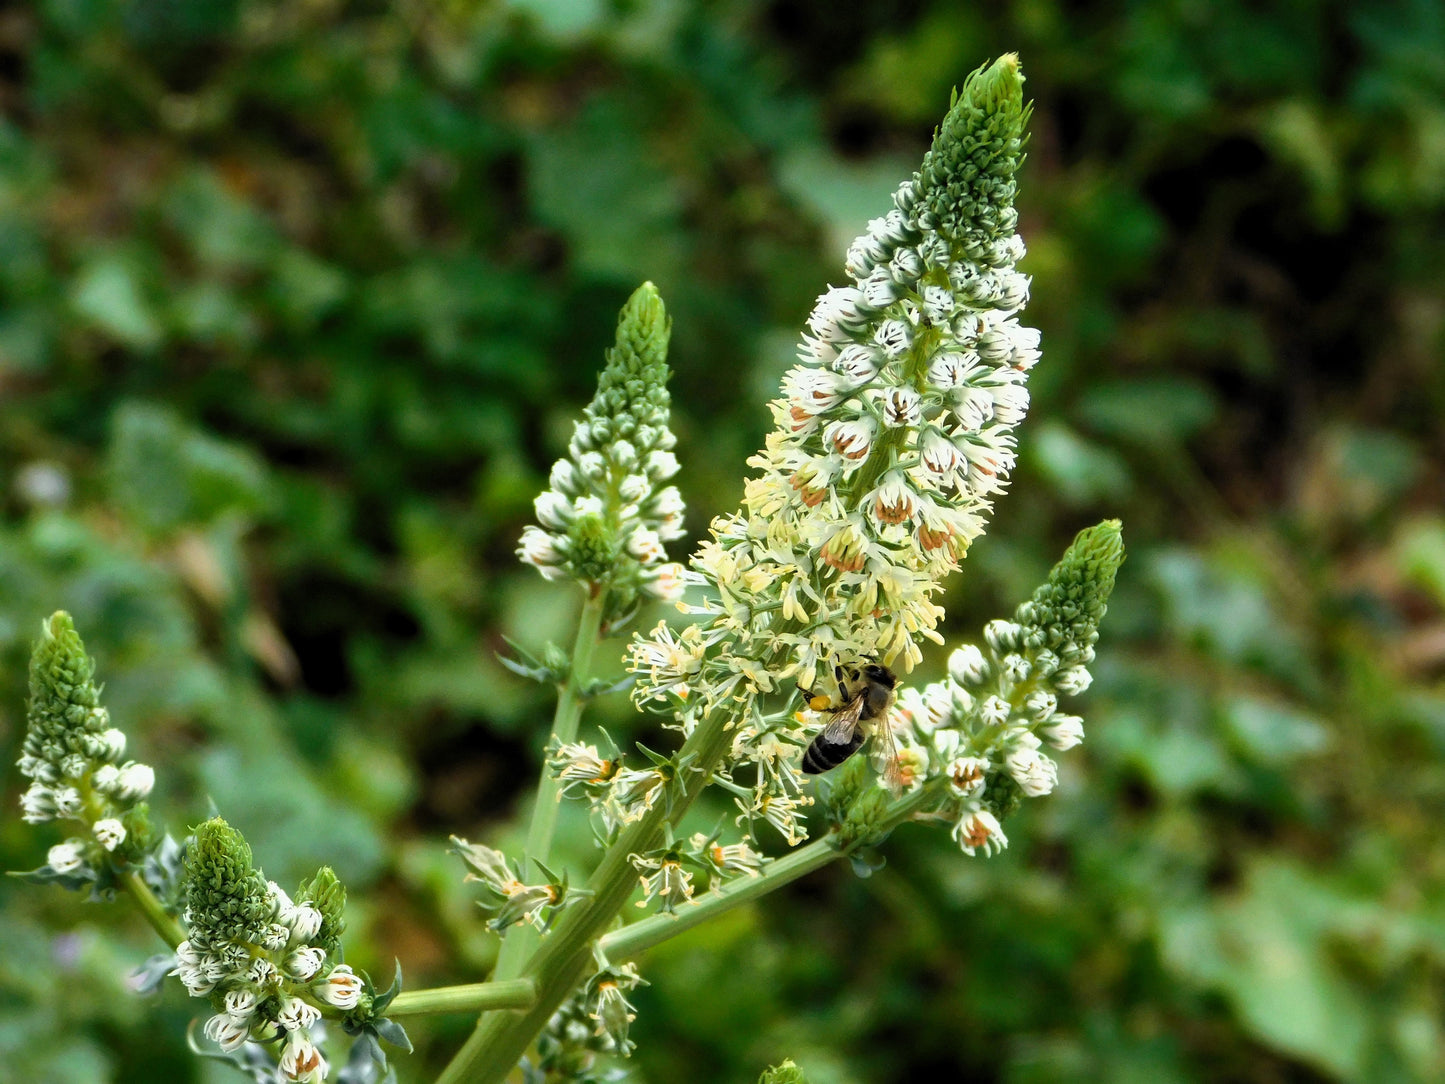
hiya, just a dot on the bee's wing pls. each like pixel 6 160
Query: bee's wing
pixel 844 724
pixel 885 746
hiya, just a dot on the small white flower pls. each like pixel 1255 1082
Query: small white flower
pixel 938 303
pixel 105 778
pixel 67 801
pixel 1064 731
pixel 852 439
pixel 901 407
pixel 857 362
pixel 1002 635
pixel 894 501
pixel 305 921
pixel 994 711
pixel 951 369
pixel 1035 773
pixel 301 1061
pixel 296 1014
pixel 134 782
pixel 624 453
pixel 109 833
pixel 1010 404
pixel 73 765
pixel 1025 347
pixel 894 337
pixel 979 830
pixel 276 935
pixel 592 465
pixel 967 665
pixel 646 546
pixel 973 407
pixel 539 549
pixel 66 857
pixel 226 1031
pixel 938 454
pixel 553 510
pixel 1039 705
pixel 879 289
pixel 240 1004
pixel 905 266
pixel 633 488
pixel 262 972
pixel 305 962
pixel 666 582
pixel 1015 667
pixel 196 981
pixel 37 805
pixel 661 465
pixel 341 987
pixel 563 477
pixel 112 744
pixel 1073 680
pixel 965 775
pixel 994 346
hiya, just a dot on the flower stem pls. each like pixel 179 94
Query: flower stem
pixel 476 997
pixel 522 939
pixel 155 913
pixel 493 1050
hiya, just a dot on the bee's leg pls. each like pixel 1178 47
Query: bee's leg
pixel 842 689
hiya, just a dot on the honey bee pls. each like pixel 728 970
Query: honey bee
pixel 865 695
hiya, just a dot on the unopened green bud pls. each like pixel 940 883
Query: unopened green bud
pixel 64 702
pixel 594 549
pixel 226 897
pixel 327 894
pixel 140 837
pixel 785 1073
pixel 1001 795
pixel 1065 612
pixel 632 391
pixel 967 177
pixel 866 821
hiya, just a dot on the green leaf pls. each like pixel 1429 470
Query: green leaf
pixel 108 293
pixel 1272 732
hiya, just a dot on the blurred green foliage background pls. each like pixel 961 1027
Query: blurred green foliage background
pixel 297 301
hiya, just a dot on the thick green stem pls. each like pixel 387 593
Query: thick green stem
pixel 155 913
pixel 476 997
pixel 501 1039
pixel 522 940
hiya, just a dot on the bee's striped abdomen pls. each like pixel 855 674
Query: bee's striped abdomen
pixel 823 756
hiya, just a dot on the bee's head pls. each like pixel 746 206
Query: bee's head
pixel 879 673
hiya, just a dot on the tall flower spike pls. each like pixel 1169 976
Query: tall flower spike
pixel 985 727
pixel 74 758
pixel 892 437
pixel 607 513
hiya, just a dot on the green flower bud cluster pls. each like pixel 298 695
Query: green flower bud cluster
pixel 268 965
pixel 785 1073
pixel 74 758
pixel 966 181
pixel 977 737
pixel 606 515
